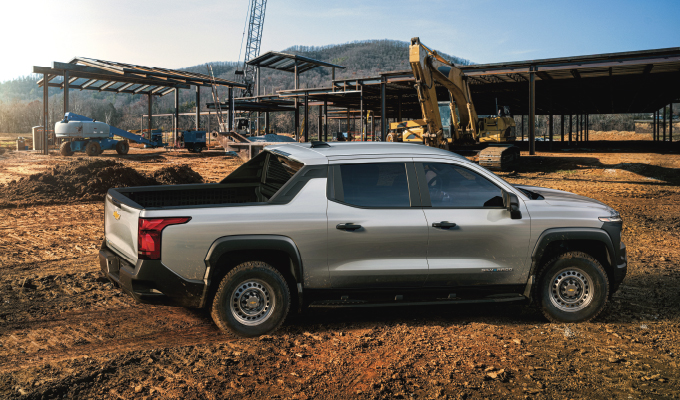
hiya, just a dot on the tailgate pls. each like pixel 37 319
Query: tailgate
pixel 120 227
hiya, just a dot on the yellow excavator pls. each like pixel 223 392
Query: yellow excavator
pixel 464 128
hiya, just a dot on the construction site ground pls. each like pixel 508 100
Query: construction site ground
pixel 67 333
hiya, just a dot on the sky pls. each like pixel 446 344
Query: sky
pixel 175 34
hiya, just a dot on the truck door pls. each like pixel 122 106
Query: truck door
pixel 377 233
pixel 472 239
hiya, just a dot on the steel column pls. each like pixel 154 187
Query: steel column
pixel 325 120
pixel 66 90
pixel 257 124
pixel 348 134
pixel 562 128
pixel 46 122
pixel 532 110
pixel 550 129
pixel 522 127
pixel 296 124
pixel 175 119
pixel 654 126
pixel 570 128
pixel 230 115
pixel 670 126
pixel 587 127
pixel 150 113
pixel 266 122
pixel 383 112
pixel 306 122
pixel 198 110
pixel 663 126
pixel 320 123
pixel 361 111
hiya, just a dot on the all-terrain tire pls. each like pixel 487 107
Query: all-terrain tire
pixel 92 149
pixel 253 299
pixel 65 149
pixel 572 288
pixel 122 147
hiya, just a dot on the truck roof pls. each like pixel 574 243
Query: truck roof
pixel 305 153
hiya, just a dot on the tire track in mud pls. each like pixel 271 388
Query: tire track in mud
pixel 107 331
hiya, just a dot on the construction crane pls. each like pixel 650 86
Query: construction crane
pixel 255 23
pixel 466 128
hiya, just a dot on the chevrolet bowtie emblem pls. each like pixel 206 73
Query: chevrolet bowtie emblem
pixel 116 215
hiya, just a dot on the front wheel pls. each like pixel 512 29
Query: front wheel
pixel 122 147
pixel 92 149
pixel 65 149
pixel 252 300
pixel 572 288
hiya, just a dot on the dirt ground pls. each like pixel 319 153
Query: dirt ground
pixel 67 333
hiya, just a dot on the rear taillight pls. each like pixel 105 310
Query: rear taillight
pixel 149 239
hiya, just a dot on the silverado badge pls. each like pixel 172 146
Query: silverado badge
pixel 116 215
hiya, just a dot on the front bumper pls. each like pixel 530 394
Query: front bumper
pixel 620 268
pixel 149 281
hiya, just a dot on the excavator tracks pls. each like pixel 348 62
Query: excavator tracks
pixel 499 157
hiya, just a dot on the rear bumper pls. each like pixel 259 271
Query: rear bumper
pixel 149 281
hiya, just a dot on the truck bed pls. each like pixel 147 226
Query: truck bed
pixel 148 197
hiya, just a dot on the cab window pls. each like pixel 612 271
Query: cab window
pixel 377 185
pixel 453 186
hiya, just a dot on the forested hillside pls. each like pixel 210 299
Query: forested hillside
pixel 21 98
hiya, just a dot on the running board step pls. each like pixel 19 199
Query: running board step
pixel 363 303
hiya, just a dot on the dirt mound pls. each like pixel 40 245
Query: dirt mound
pixel 177 175
pixel 85 180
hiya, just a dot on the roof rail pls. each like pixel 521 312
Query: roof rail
pixel 318 143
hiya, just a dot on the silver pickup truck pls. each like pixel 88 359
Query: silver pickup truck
pixel 360 224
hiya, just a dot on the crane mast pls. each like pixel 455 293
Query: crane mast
pixel 255 25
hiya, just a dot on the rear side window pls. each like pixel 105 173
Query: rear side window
pixel 280 170
pixel 457 187
pixel 277 170
pixel 379 185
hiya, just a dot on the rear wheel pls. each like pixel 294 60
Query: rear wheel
pixel 572 288
pixel 252 300
pixel 65 149
pixel 122 147
pixel 92 149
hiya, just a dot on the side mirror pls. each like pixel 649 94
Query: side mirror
pixel 511 203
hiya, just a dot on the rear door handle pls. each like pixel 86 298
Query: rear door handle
pixel 348 227
pixel 443 224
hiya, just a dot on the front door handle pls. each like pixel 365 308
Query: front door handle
pixel 443 224
pixel 348 227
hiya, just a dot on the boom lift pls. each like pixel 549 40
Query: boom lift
pixel 465 127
